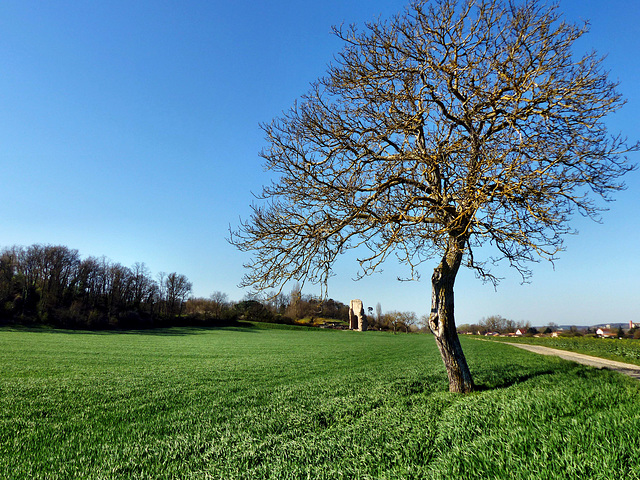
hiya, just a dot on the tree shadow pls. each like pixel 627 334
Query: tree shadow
pixel 508 379
pixel 509 375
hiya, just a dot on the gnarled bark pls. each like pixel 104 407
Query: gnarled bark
pixel 442 320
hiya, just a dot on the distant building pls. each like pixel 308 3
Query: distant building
pixel 605 332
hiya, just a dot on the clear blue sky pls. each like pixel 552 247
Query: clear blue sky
pixel 131 130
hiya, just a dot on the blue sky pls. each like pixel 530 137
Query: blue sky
pixel 131 130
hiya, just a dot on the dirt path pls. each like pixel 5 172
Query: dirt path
pixel 626 368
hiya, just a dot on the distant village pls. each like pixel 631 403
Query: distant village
pixel 609 330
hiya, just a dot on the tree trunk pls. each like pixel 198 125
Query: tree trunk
pixel 442 320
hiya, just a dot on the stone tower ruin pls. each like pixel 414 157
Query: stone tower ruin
pixel 357 318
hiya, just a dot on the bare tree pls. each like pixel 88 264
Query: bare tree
pixel 161 292
pixel 219 301
pixel 400 320
pixel 294 310
pixel 456 124
pixel 118 280
pixel 392 320
pixel 410 320
pixel 177 288
pixel 141 283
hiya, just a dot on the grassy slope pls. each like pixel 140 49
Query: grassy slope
pixel 622 350
pixel 300 403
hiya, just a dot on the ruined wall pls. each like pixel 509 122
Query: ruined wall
pixel 357 318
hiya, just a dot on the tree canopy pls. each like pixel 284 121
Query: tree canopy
pixel 453 125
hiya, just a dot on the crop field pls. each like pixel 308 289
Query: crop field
pixel 287 403
pixel 620 349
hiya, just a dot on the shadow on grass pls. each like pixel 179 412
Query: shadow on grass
pixel 507 379
pixel 508 376
pixel 497 365
pixel 235 326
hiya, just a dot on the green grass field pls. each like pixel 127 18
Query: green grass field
pixel 619 349
pixel 284 403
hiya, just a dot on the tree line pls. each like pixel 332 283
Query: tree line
pixel 52 284
pixel 497 324
pixel 504 326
